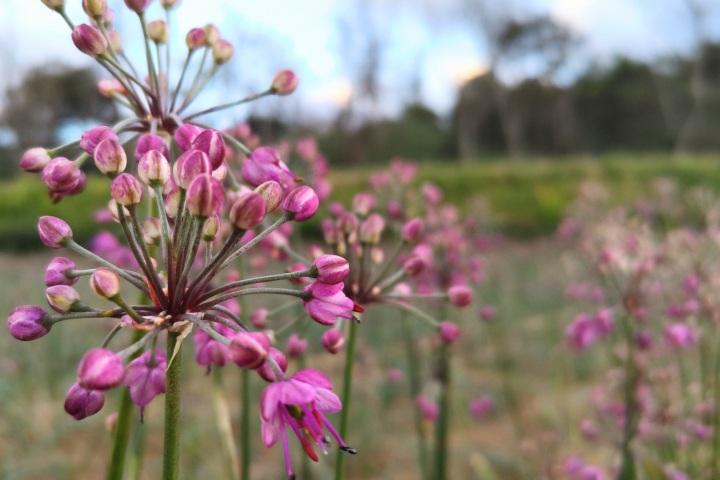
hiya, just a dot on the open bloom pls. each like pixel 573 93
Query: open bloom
pixel 300 402
pixel 327 302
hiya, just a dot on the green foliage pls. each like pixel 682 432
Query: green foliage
pixel 525 199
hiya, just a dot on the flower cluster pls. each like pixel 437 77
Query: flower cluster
pixel 653 298
pixel 190 201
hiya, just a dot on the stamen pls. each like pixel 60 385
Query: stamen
pixel 349 450
pixel 307 446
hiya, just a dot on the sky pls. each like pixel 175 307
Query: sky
pixel 427 43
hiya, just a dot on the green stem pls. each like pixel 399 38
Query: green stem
pixel 224 429
pixel 123 426
pixel 413 364
pixel 245 426
pixel 171 452
pixel 627 466
pixel 346 396
pixel 441 427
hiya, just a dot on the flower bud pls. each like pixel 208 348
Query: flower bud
pixel 371 229
pixel 57 272
pixel 284 82
pixel 302 203
pixel 35 159
pixel 249 350
pixel 272 193
pixel 449 332
pixel 190 164
pixel 195 39
pixel 332 340
pixel 248 210
pixel 62 298
pixel 169 3
pixel 113 208
pixel 297 267
pixel 679 336
pixel 267 372
pixel 105 283
pixel 211 143
pixel 414 265
pixel 137 6
pixel 428 409
pixel 362 204
pixel 296 346
pixel 210 228
pixel 487 313
pixel 412 230
pixel 110 157
pixel 61 175
pixel 152 231
pixel 220 173
pixel 258 318
pixel 331 269
pixel 126 190
pixel 95 8
pixel 460 295
pixel 150 142
pixel 222 52
pixel 154 168
pixel 89 40
pixel 185 135
pixel 90 139
pixel 28 322
pixel 100 369
pixel 54 232
pixel 81 403
pixel 205 196
pixel 115 40
pixel 212 35
pixel 157 31
pixel 54 4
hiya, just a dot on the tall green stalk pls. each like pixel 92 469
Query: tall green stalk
pixel 627 466
pixel 171 452
pixel 346 395
pixel 413 362
pixel 245 426
pixel 123 426
pixel 443 421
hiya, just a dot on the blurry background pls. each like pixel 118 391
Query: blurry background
pixel 455 80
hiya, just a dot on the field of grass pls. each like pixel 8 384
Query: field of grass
pixel 525 198
pixel 39 440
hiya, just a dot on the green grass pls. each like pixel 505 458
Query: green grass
pixel 526 198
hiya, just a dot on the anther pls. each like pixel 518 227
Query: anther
pixel 349 450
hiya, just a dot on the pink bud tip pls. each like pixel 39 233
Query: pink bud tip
pixel 127 190
pixel 54 232
pixel 284 82
pixel 249 350
pixel 57 272
pixel 100 369
pixel 205 196
pixel 105 283
pixel 331 269
pixel 27 322
pixel 195 39
pixel 34 160
pixel 302 203
pixel 296 346
pixel 110 157
pixel 154 168
pixel 412 230
pixel 137 6
pixel 332 340
pixel 61 298
pixel 89 40
pixel 267 372
pixel 460 295
pixel 449 332
pixel 248 210
pixel 81 402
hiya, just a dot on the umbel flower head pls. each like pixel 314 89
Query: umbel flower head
pixel 186 216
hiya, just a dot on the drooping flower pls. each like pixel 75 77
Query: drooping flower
pixel 327 302
pixel 300 402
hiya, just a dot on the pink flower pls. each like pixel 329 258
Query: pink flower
pixel 327 302
pixel 265 164
pixel 145 379
pixel 299 402
pixel 679 336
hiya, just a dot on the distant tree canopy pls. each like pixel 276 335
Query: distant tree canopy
pixel 669 105
pixel 49 96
